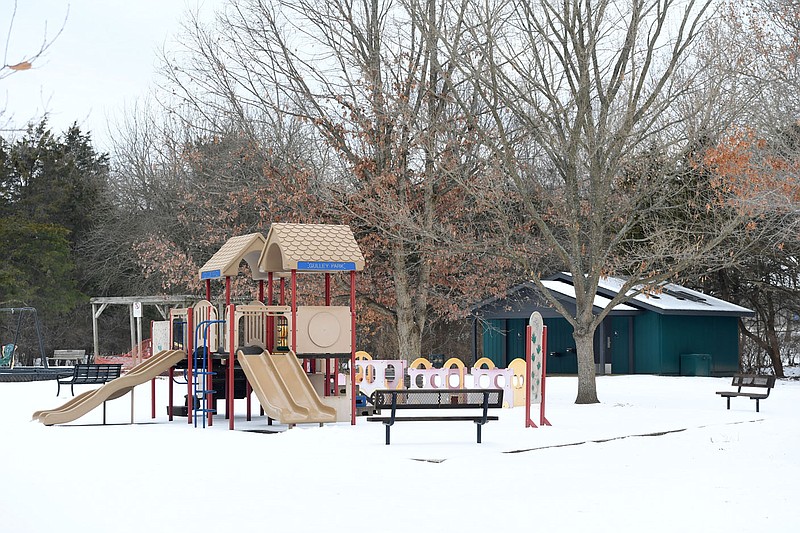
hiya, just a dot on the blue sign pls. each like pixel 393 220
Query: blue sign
pixel 211 274
pixel 323 266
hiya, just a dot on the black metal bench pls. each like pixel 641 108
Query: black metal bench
pixel 749 381
pixel 90 374
pixel 479 400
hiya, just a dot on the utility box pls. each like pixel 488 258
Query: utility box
pixel 695 364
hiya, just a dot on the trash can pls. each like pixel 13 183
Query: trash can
pixel 695 364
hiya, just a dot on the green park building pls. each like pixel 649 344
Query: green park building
pixel 677 331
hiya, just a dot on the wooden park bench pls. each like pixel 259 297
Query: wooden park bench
pixel 756 388
pixel 477 400
pixel 62 357
pixel 90 374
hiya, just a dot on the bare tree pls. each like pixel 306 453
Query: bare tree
pixel 25 61
pixel 368 79
pixel 184 186
pixel 754 46
pixel 595 123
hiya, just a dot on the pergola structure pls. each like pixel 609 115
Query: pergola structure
pixel 161 303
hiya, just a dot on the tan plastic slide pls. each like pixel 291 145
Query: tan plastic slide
pixel 85 402
pixel 283 389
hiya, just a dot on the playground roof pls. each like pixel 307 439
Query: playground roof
pixel 310 248
pixel 226 261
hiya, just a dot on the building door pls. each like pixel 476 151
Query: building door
pixel 618 336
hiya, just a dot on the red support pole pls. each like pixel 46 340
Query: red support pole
pixel 269 288
pixel 231 355
pixel 190 365
pixel 248 391
pixel 210 382
pixel 542 419
pixel 528 354
pixel 270 319
pixel 170 387
pixel 227 290
pixel 353 347
pixel 328 361
pixel 294 310
pixel 208 290
pixel 153 381
pixel 327 377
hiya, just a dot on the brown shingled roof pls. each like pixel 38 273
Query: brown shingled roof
pixel 310 248
pixel 228 258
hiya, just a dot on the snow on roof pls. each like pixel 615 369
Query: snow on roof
pixel 671 298
pixel 568 290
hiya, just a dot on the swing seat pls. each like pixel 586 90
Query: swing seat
pixel 7 355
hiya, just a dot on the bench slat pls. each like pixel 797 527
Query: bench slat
pixel 431 418
pixel 481 399
pixel 749 382
pixel 90 374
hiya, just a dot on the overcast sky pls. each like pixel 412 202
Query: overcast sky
pixel 105 58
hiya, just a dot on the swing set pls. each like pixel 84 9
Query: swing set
pixel 10 356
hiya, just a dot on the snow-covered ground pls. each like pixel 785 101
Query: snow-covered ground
pixel 658 454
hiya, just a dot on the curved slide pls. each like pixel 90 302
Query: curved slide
pixel 283 389
pixel 85 402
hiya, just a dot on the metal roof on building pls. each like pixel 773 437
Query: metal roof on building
pixel 600 302
pixel 666 299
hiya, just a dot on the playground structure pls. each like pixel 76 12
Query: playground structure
pixel 83 403
pixel 454 375
pixel 286 354
pixel 374 374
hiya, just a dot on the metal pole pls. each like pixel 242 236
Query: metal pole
pixel 133 329
pixel 232 348
pixel 528 355
pixel 95 334
pixel 542 418
pixel 327 360
pixel 169 393
pixel 294 310
pixel 270 319
pixel 190 364
pixel 138 341
pixel 352 348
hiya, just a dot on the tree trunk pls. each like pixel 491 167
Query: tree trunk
pixel 409 335
pixel 584 343
pixel 774 350
pixel 410 308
